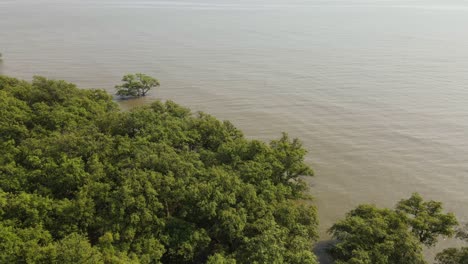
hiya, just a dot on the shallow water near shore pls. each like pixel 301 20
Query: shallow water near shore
pixel 376 90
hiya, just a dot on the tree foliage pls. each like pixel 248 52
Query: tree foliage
pixel 455 255
pixel 426 219
pixel 370 235
pixel 82 182
pixel 138 84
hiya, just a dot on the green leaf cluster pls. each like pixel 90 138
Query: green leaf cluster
pixel 83 182
pixel 455 255
pixel 138 84
pixel 371 235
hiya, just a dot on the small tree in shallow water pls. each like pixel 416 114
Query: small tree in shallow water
pixel 137 84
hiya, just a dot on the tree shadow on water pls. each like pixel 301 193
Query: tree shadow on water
pixel 320 250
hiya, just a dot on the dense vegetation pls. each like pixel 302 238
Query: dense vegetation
pixel 82 182
pixel 455 255
pixel 371 235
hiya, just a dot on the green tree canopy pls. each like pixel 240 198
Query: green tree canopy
pixel 426 219
pixel 138 84
pixel 455 255
pixel 370 235
pixel 83 182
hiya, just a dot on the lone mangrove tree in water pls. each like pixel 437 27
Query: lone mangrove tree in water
pixel 136 85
